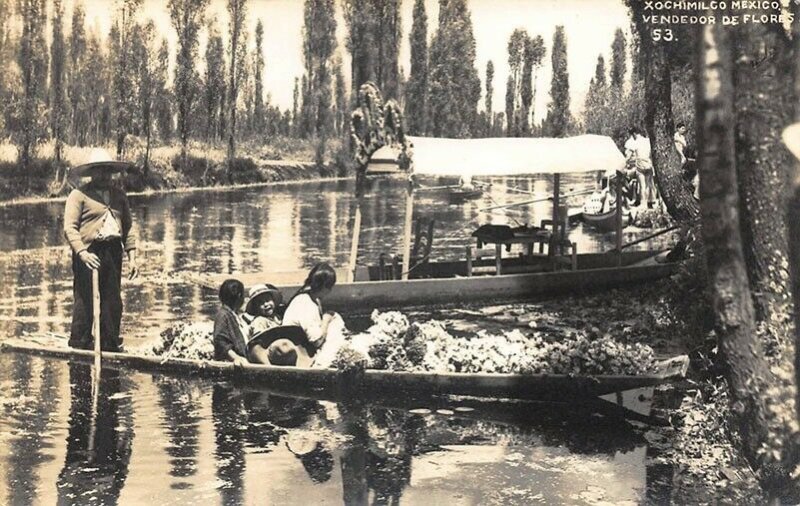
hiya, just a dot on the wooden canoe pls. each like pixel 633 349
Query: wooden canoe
pixel 375 382
pixel 448 283
pixel 458 196
pixel 606 222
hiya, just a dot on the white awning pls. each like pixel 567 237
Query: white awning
pixel 513 156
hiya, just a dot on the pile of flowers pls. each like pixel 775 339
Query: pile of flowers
pixel 183 340
pixel 392 343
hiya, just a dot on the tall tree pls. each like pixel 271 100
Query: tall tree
pixel 455 87
pixel 123 90
pixel 96 85
pixel 237 11
pixel 214 83
pixel 187 18
pixel 489 93
pixel 417 88
pixel 296 107
pixel 258 77
pixel 319 43
pixel 32 61
pixel 341 108
pixel 389 30
pixel 163 103
pixel 79 115
pixel 558 119
pixel 360 17
pixel 516 57
pixel 595 108
pixel 619 64
pixel 532 60
pixel 146 67
pixel 57 95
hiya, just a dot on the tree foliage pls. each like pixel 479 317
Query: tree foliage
pixel 417 88
pixel 559 119
pixel 455 87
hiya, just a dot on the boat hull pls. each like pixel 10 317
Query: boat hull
pixel 377 382
pixel 457 196
pixel 446 283
pixel 605 222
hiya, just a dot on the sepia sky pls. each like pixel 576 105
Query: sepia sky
pixel 589 26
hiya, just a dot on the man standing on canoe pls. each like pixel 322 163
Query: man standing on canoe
pixel 97 225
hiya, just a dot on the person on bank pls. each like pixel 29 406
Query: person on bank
pixel 637 154
pixel 230 328
pixel 99 229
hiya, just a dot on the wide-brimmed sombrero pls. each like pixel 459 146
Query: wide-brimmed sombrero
pixel 293 333
pixel 100 160
pixel 791 137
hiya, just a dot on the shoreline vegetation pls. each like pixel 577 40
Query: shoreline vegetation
pixel 280 160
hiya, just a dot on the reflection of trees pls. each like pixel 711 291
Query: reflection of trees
pixel 229 453
pixel 181 415
pixel 24 451
pixel 389 456
pixel 107 450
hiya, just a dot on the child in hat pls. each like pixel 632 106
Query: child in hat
pixel 259 312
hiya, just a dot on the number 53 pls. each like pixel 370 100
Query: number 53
pixel 663 34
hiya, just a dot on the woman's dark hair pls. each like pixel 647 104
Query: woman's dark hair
pixel 320 276
pixel 680 124
pixel 231 292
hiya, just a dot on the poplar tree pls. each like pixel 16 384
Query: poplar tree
pixel 455 87
pixel 258 75
pixel 237 10
pixel 146 68
pixel 532 60
pixel 516 58
pixel 489 93
pixel 388 30
pixel 596 106
pixel 619 65
pixel 341 98
pixel 187 18
pixel 57 96
pixel 79 115
pixel 373 40
pixel 31 58
pixel 417 88
pixel 123 84
pixel 214 83
pixel 296 107
pixel 164 100
pixel 558 119
pixel 319 43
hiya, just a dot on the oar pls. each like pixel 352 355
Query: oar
pixel 533 201
pixel 97 357
pixel 444 187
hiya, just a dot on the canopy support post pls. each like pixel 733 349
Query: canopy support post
pixel 351 267
pixel 619 219
pixel 407 231
pixel 555 240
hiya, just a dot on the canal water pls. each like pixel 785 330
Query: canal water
pixel 156 439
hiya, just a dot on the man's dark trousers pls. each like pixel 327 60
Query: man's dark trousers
pixel 110 254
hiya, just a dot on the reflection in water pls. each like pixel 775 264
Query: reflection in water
pixel 98 444
pixel 357 453
pixel 24 453
pixel 229 450
pixel 181 414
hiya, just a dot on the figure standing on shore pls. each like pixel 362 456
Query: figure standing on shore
pixel 98 226
pixel 637 153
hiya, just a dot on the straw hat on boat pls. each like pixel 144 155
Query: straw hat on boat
pixel 258 292
pixel 283 345
pixel 100 160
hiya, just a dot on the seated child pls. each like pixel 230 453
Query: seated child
pixel 259 312
pixel 229 327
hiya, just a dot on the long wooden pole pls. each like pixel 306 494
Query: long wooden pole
pixel 619 219
pixel 555 240
pixel 96 322
pixel 97 360
pixel 407 232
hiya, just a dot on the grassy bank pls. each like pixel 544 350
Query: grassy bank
pixel 279 159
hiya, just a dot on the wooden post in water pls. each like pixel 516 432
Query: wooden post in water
pixel 407 231
pixel 351 266
pixel 619 219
